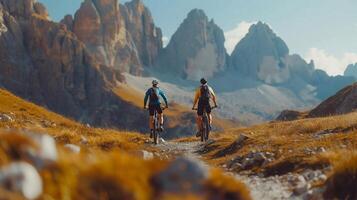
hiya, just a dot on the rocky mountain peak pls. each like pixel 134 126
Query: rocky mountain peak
pixel 197 14
pixel 196 49
pixel 351 70
pixel 264 56
pixel 145 35
pixel 22 9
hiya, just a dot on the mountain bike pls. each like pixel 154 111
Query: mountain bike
pixel 156 131
pixel 205 128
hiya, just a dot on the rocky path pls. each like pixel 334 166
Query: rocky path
pixel 272 188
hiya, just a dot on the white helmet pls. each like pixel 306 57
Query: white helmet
pixel 155 82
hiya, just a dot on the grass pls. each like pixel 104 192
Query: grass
pixel 289 141
pixel 108 166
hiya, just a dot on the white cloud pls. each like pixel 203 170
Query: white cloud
pixel 235 35
pixel 165 41
pixel 332 64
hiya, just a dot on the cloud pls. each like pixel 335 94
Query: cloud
pixel 235 35
pixel 332 64
pixel 165 41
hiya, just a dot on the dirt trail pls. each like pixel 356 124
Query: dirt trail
pixel 272 188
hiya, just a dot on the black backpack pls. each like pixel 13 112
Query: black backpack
pixel 153 95
pixel 205 93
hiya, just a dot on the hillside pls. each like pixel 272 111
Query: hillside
pixel 89 163
pixel 314 149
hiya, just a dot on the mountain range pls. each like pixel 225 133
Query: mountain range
pixel 74 66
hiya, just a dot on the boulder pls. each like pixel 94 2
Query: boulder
pixel 23 178
pixel 6 118
pixel 46 151
pixel 146 155
pixel 73 148
pixel 183 175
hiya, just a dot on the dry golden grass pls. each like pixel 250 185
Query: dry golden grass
pixel 37 119
pixel 289 141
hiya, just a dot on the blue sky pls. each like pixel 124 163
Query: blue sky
pixel 323 30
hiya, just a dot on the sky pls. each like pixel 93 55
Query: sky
pixel 322 30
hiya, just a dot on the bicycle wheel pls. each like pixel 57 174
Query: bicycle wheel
pixel 207 128
pixel 156 138
pixel 204 127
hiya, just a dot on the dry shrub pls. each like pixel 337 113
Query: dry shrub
pixel 342 184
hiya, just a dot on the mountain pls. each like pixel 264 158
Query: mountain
pixel 146 36
pixel 264 56
pixel 46 63
pixel 342 102
pixel 123 37
pixel 326 85
pixel 351 70
pixel 195 50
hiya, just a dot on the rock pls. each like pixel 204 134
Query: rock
pixel 119 36
pixel 145 35
pixel 73 148
pixel 299 184
pixel 183 175
pixel 301 189
pixel 68 21
pixel 23 178
pixel 84 140
pixel 321 150
pixel 234 147
pixel 6 118
pixel 161 140
pixel 146 155
pixel 195 50
pixel 46 152
pixel 40 9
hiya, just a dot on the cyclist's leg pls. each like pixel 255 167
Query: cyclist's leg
pixel 151 120
pixel 208 110
pixel 161 114
pixel 200 109
pixel 161 117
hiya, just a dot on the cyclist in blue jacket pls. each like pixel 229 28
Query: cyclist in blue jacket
pixel 153 95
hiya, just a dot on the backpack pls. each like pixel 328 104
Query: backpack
pixel 153 95
pixel 205 93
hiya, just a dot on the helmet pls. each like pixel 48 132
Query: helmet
pixel 203 81
pixel 155 82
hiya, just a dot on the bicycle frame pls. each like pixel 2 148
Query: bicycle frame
pixel 205 126
pixel 156 121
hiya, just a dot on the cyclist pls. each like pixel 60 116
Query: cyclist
pixel 153 94
pixel 203 95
